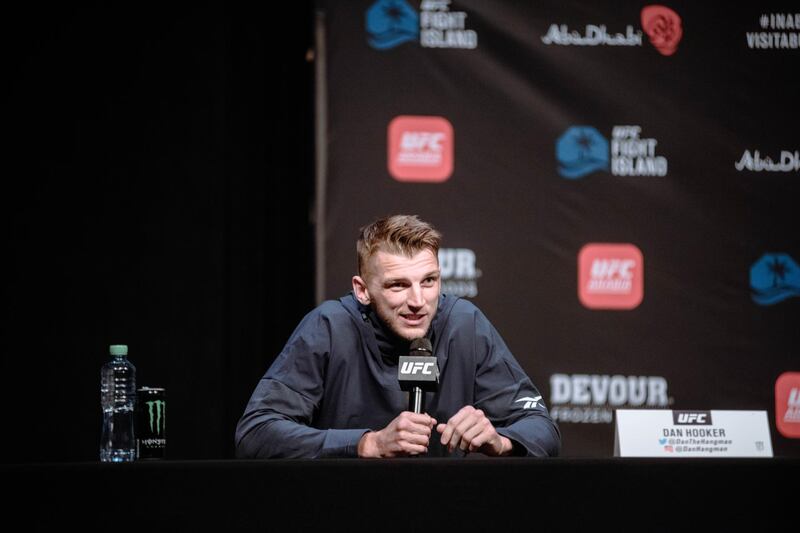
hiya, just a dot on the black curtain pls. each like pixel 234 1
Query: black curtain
pixel 158 190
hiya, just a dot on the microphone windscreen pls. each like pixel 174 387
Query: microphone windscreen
pixel 418 346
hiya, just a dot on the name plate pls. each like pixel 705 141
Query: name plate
pixel 673 433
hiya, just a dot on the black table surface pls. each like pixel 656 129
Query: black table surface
pixel 411 494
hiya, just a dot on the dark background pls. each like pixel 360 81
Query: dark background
pixel 157 193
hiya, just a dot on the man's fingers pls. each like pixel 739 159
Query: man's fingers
pixel 479 440
pixel 414 438
pixel 447 432
pixel 453 423
pixel 470 426
pixel 415 423
pixel 472 435
pixel 462 413
pixel 465 427
pixel 415 449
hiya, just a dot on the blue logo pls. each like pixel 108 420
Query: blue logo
pixel 774 278
pixel 580 151
pixel 662 441
pixel 390 23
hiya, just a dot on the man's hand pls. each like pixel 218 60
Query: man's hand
pixel 408 434
pixel 469 430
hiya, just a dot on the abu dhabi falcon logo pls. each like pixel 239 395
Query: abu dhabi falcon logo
pixel 530 403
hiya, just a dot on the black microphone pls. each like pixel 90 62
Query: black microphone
pixel 418 373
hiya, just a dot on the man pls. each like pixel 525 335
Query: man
pixel 334 391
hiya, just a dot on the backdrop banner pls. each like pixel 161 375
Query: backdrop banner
pixel 616 183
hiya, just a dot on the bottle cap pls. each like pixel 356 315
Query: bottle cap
pixel 118 349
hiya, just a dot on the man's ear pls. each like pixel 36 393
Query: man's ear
pixel 360 290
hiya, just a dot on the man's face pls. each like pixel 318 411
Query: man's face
pixel 404 291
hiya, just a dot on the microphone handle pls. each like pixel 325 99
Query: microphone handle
pixel 416 400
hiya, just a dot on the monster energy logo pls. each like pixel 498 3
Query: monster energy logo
pixel 157 411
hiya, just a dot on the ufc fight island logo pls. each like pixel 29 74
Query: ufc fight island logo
pixel 582 150
pixel 610 276
pixel 420 148
pixel 390 23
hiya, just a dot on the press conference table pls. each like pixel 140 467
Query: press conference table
pixel 476 494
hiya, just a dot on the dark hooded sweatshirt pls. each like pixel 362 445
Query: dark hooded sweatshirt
pixel 336 379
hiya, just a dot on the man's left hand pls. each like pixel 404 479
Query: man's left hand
pixel 469 430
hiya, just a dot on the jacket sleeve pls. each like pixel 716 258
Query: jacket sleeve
pixel 277 422
pixel 509 398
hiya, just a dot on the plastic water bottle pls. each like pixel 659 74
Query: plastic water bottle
pixel 118 400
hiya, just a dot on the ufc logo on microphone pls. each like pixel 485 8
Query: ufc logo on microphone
pixel 702 418
pixel 414 368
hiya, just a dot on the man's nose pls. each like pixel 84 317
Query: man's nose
pixel 415 298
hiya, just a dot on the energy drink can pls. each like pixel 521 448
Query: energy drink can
pixel 151 423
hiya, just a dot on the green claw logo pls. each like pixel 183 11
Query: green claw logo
pixel 157 409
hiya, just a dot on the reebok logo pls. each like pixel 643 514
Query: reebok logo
pixel 610 276
pixel 420 148
pixel 530 403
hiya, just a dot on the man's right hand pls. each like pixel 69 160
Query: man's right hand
pixel 408 434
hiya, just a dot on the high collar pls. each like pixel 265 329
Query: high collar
pixel 390 345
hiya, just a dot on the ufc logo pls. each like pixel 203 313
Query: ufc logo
pixel 692 417
pixel 609 268
pixel 416 368
pixel 626 132
pixel 794 398
pixel 422 140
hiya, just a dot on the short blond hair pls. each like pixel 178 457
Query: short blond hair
pixel 396 234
